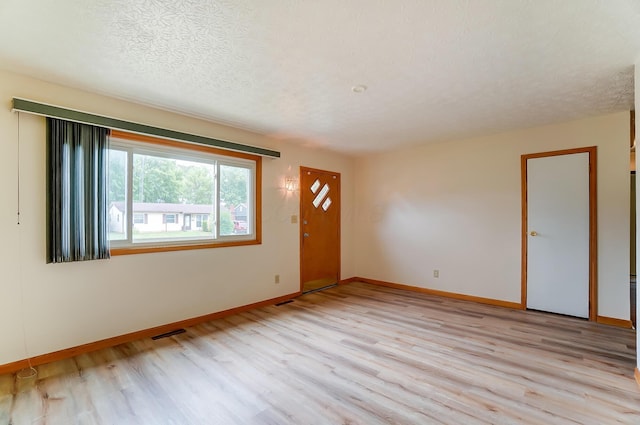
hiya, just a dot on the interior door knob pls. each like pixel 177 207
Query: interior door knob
pixel 306 235
pixel 533 233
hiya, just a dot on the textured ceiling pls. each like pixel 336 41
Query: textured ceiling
pixel 435 69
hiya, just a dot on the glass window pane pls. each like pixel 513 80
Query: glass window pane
pixel 235 184
pixel 315 186
pixel 326 204
pixel 321 195
pixel 117 195
pixel 169 194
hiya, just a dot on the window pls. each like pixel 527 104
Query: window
pixel 169 219
pixel 167 195
pixel 202 221
pixel 139 218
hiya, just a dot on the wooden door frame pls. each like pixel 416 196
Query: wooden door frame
pixel 301 221
pixel 593 223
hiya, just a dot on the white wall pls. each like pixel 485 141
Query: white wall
pixel 456 207
pixel 71 304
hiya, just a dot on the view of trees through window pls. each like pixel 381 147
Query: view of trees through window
pixel 176 198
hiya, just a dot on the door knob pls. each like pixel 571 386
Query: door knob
pixel 533 233
pixel 306 235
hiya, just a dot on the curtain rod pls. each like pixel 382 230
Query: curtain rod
pixel 36 108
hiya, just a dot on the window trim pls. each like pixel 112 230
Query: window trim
pixel 181 245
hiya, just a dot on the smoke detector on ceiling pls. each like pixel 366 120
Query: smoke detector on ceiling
pixel 360 88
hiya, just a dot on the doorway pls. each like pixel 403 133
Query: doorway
pixel 319 229
pixel 559 243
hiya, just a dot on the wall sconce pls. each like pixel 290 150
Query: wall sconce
pixel 290 183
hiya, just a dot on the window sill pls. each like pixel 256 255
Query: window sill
pixel 129 250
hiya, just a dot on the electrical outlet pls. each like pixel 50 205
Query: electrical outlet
pixel 276 279
pixel 436 273
pixel 294 219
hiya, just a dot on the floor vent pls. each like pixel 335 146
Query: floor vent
pixel 284 302
pixel 171 333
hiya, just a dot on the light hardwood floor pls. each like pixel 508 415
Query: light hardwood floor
pixel 354 354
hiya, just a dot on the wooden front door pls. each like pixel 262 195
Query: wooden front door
pixel 319 228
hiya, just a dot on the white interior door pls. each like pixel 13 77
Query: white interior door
pixel 558 234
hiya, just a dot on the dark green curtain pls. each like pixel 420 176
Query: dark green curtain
pixel 76 191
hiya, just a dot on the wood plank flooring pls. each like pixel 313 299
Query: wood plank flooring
pixel 353 354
